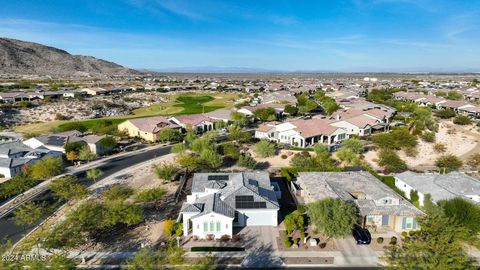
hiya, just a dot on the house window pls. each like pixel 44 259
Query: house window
pixel 369 219
pixel 235 219
pixel 205 226
pixel 408 223
pixel 212 226
pixel 218 226
pixel 226 226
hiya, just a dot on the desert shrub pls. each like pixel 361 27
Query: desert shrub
pixel 474 160
pixel 390 161
pixel 397 139
pixel 393 240
pixel 225 237
pixel 380 240
pixel 404 234
pixel 446 113
pixel 169 227
pixel 462 120
pixel 179 229
pixel 428 136
pixel 247 161
pixel 151 195
pixel 287 243
pixel 178 148
pixel 411 233
pixel 265 149
pixel 284 156
pixel 439 148
pixel 411 151
pixel 449 161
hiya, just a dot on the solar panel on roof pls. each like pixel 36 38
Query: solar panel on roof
pixel 246 202
pixel 222 177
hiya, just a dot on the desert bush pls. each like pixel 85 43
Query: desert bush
pixel 428 136
pixel 462 120
pixel 411 151
pixel 380 240
pixel 287 243
pixel 449 161
pixel 225 237
pixel 439 148
pixel 393 240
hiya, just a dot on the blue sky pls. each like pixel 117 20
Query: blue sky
pixel 340 35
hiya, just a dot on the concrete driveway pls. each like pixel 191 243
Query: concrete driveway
pixel 259 242
pixel 353 254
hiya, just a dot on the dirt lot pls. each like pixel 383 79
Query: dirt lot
pixel 461 141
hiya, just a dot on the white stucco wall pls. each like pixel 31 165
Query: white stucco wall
pixel 257 217
pixel 225 225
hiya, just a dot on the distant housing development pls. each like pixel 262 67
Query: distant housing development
pixel 221 201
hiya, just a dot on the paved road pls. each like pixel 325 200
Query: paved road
pixel 9 230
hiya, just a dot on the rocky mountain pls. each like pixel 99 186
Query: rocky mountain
pixel 21 57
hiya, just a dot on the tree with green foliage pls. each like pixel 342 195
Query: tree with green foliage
pixel 265 149
pixel 86 154
pixel 247 161
pixel 188 161
pixel 454 95
pixel 397 139
pixel 211 159
pixel 239 119
pixel 46 168
pixel 290 110
pixel 390 161
pixel 347 156
pixel 308 106
pixel 437 246
pixel 463 212
pixel 108 143
pixel 170 135
pixel 178 148
pixel 236 134
pixel 354 145
pixel 200 144
pixel 265 114
pixel 94 174
pixel 449 161
pixel 462 120
pixel 28 214
pixel 166 171
pixel 67 188
pixel 117 192
pixel 230 150
pixel 333 217
pixel 303 160
pixel 422 119
pixel 294 221
pixel 151 195
pixel 74 146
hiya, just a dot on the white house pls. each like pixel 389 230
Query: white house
pixel 302 133
pixel 14 155
pixel 200 123
pixel 221 201
pixel 439 186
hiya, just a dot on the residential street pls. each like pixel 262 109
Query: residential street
pixel 110 165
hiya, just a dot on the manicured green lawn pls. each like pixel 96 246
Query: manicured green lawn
pixel 195 105
pixel 183 104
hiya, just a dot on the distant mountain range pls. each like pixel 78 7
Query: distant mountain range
pixel 21 57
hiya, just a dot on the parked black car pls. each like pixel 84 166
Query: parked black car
pixel 362 236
